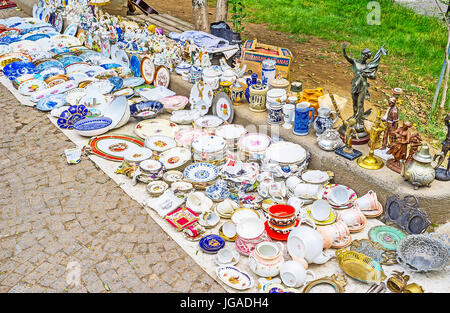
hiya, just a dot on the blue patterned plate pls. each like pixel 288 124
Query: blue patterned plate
pixel 59 50
pixel 18 68
pixel 201 172
pixel 117 82
pixel 48 64
pixel 108 66
pixel 34 37
pixel 71 30
pixel 135 65
pixel 133 81
pixel 145 109
pixel 72 115
pixel 51 71
pixel 70 60
pixel 51 102
pixel 211 243
pixel 92 126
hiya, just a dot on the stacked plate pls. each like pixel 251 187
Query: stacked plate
pixel 252 146
pixel 211 149
pixel 291 157
pixel 231 133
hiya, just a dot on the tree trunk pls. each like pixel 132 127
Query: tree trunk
pixel 200 10
pixel 447 72
pixel 221 10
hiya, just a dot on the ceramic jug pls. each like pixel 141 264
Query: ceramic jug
pixel 324 121
pixel 302 120
pixel 250 81
pixel 266 259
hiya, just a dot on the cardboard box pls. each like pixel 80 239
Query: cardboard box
pixel 253 53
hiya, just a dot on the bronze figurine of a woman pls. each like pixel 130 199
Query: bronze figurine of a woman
pixel 362 70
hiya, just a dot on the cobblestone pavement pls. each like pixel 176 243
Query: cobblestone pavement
pixel 426 7
pixel 62 222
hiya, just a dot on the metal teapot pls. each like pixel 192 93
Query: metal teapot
pixel 419 172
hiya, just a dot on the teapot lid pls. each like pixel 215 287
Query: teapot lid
pixel 423 155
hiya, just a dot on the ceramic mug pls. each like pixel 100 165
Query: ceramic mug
pixel 368 202
pixel 302 121
pixel 293 274
pixel 352 217
pixel 192 231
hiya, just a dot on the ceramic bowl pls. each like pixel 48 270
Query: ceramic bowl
pixel 250 228
pixel 92 126
pixel 117 110
pixel 172 176
pixel 181 187
pixel 145 109
pixel 156 188
pixel 242 214
pixel 340 195
pixel 150 166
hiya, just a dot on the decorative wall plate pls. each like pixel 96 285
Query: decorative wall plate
pixel 208 121
pixel 65 41
pixel 208 144
pixel 211 244
pixel 58 23
pixel 201 92
pixel 162 77
pixel 92 99
pixel 79 76
pixel 71 59
pixel 51 71
pixel 78 67
pixel 201 172
pixel 113 147
pixel 81 36
pixel 135 65
pixel 389 237
pixel 181 218
pixel 120 57
pixel 160 143
pixel 117 82
pixel 148 70
pixel 234 277
pixel 8 58
pixel 254 142
pixel 230 131
pixel 30 86
pixel 56 80
pixel 315 176
pixel 61 88
pixel 186 136
pixel 133 81
pixel 175 158
pixel 24 46
pixel 154 127
pixel 222 106
pixel 71 30
pixel 72 115
pixel 74 95
pixel 48 103
pixel 49 64
pixel 18 68
pixel 128 92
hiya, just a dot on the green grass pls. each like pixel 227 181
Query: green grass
pixel 416 43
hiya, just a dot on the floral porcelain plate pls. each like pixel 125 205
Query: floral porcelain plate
pixel 286 152
pixel 208 144
pixel 119 56
pixel 201 172
pixel 160 143
pixel 186 136
pixel 352 193
pixel 78 67
pixel 66 41
pixel 175 157
pixel 114 147
pixel 154 127
pixel 208 121
pixel 185 117
pixel 389 237
pixel 234 277
pixel 30 86
pixel 254 142
pixel 174 103
pixel 222 106
pixel 201 92
pixel 148 70
pixel 60 88
pixel 315 176
pixel 126 91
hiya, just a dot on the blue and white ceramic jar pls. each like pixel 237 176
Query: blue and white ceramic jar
pixel 324 121
pixel 274 113
pixel 268 71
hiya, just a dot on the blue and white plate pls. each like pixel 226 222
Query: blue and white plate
pixel 95 70
pixel 10 39
pixel 52 71
pixel 108 66
pixel 78 76
pixel 92 126
pixel 135 65
pixel 71 30
pixel 45 65
pixel 133 82
pixel 51 102
pixel 34 37
pixel 120 56
pixel 211 243
pixel 201 172
pixel 72 115
pixel 18 68
pixel 70 60
pixel 117 82
pixel 58 50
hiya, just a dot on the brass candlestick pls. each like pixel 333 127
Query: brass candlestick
pixel 370 161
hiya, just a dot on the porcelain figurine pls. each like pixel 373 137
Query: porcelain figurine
pixel 419 171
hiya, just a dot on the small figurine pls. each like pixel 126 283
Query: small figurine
pixel 399 148
pixel 391 120
pixel 441 173
pixel 415 143
pixel 370 161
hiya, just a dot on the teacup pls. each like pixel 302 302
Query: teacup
pixel 229 229
pixel 227 206
pixel 320 210
pixel 337 234
pixel 264 187
pixel 292 181
pixel 368 202
pixel 297 203
pixel 309 191
pixel 293 274
pixel 352 217
pixel 340 195
pixel 198 202
pixel 277 191
pixel 225 256
pixel 265 175
pixel 193 230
